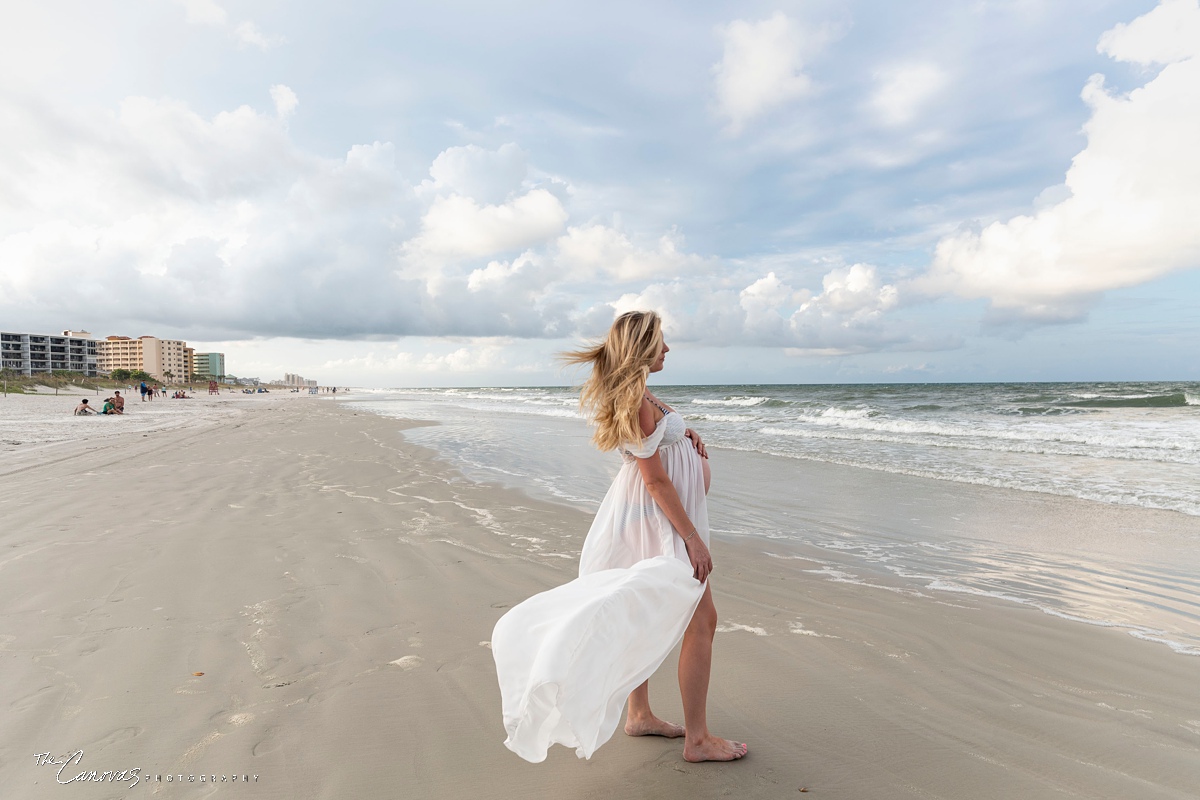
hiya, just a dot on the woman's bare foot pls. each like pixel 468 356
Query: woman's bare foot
pixel 714 749
pixel 653 726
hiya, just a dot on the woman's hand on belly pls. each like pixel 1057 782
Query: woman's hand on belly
pixel 697 442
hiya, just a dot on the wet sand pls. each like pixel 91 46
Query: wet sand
pixel 337 586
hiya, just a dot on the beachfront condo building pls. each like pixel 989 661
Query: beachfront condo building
pixel 146 353
pixel 291 379
pixel 33 353
pixel 208 365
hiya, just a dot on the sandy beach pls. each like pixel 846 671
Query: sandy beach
pixel 337 585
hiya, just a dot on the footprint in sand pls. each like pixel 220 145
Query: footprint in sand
pixel 119 735
pixel 408 662
pixel 269 743
pixel 226 720
pixel 29 700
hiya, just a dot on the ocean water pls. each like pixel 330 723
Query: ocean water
pixel 1125 443
pixel 1081 459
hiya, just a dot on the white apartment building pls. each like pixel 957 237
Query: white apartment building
pixel 147 353
pixel 32 353
pixel 292 379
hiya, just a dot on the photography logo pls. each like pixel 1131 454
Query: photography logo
pixel 69 769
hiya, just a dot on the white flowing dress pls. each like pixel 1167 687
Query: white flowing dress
pixel 567 658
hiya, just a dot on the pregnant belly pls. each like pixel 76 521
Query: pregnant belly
pixel 692 462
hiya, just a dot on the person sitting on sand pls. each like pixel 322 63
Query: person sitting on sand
pixel 118 402
pixel 83 409
pixel 109 407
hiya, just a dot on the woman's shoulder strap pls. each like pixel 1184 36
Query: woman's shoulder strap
pixel 657 404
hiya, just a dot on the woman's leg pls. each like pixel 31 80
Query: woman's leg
pixel 695 666
pixel 640 720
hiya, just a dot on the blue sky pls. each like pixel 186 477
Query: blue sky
pixel 391 194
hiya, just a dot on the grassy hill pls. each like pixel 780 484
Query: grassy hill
pixel 15 383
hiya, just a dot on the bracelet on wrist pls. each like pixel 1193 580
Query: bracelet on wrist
pixel 689 536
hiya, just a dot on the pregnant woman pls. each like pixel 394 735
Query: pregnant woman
pixel 567 659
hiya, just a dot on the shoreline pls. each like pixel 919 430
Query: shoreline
pixel 337 584
pixel 1104 564
pixel 1134 446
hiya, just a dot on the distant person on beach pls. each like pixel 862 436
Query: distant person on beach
pixel 145 389
pixel 566 658
pixel 83 409
pixel 119 402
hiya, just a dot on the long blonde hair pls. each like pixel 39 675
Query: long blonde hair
pixel 612 394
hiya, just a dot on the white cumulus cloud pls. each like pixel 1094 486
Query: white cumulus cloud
pixel 285 100
pixel 488 176
pixel 482 355
pixel 762 67
pixel 588 251
pixel 135 214
pixel 855 291
pixel 903 91
pixel 209 13
pixel 457 226
pixel 1165 35
pixel 247 33
pixel 1127 211
pixel 848 315
pixel 125 216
